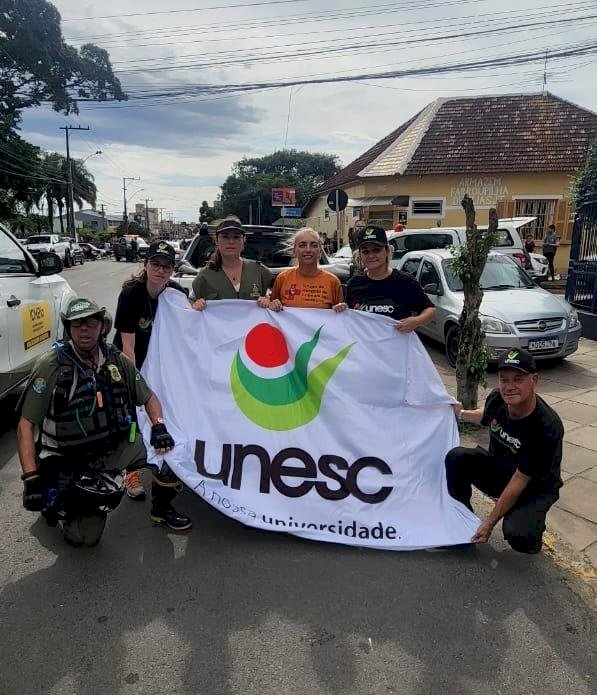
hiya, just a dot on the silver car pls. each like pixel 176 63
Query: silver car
pixel 514 311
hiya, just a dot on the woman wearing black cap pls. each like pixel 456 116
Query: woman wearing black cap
pixel 229 276
pixel 386 291
pixel 137 307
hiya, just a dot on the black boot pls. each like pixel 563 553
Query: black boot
pixel 164 488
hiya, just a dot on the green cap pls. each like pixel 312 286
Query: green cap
pixel 80 308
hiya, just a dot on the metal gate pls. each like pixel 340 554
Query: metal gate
pixel 581 287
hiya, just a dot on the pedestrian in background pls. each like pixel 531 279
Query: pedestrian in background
pixel 550 246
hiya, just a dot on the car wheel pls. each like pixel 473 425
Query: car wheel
pixel 452 342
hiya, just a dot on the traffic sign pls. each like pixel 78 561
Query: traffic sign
pixel 292 212
pixel 283 196
pixel 337 196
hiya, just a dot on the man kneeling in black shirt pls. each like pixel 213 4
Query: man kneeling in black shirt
pixel 522 467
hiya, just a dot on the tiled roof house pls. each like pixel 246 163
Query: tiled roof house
pixel 516 152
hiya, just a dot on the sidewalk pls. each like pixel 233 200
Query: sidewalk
pixel 571 389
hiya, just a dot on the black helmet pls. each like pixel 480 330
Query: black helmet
pixel 99 490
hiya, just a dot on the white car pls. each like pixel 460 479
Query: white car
pixel 508 242
pixel 514 312
pixel 343 255
pixel 51 243
pixel 32 295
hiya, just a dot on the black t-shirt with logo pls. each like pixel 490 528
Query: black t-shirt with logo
pixel 531 445
pixel 135 314
pixel 397 296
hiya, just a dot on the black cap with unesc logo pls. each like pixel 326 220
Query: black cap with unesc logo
pixel 231 225
pixel 516 358
pixel 373 235
pixel 161 248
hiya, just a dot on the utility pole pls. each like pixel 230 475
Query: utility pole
pixel 125 217
pixel 147 215
pixel 70 203
pixel 162 221
pixel 545 71
pixel 103 214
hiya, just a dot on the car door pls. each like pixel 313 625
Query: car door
pixel 429 275
pixel 27 306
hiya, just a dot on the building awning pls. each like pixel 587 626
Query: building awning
pixel 368 202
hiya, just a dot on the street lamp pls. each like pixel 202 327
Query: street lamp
pixel 91 155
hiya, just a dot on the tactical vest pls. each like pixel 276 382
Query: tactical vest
pixel 80 420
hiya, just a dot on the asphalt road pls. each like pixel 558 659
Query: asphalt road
pixel 225 610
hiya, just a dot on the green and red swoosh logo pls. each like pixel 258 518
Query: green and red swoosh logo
pixel 282 402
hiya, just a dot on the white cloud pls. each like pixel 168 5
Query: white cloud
pixel 202 138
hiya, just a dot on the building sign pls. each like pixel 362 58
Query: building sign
pixel 282 197
pixel 484 190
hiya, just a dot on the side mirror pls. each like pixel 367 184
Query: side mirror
pixel 433 288
pixel 48 263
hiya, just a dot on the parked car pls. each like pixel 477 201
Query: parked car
pixel 268 245
pixel 91 252
pixel 142 247
pixel 343 255
pixel 50 243
pixel 515 312
pixel 77 254
pixel 508 242
pixel 32 295
pixel 178 252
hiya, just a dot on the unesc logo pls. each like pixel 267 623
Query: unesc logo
pixel 283 402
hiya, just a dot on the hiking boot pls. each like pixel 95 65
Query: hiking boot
pixel 134 486
pixel 169 517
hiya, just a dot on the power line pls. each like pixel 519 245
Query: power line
pixel 194 9
pixel 357 47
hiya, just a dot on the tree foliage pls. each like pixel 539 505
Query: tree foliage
pixel 38 66
pixel 252 179
pixel 206 214
pixel 585 184
pixel 469 262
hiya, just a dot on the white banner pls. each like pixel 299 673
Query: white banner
pixel 333 427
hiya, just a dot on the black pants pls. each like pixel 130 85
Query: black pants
pixel 550 256
pixel 524 524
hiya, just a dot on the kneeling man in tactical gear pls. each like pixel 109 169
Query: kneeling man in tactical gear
pixel 522 467
pixel 78 423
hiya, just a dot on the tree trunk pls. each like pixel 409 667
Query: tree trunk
pixel 60 208
pixel 469 370
pixel 50 211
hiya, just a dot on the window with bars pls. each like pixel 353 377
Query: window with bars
pixel 427 207
pixel 543 209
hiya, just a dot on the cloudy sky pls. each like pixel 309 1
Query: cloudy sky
pixel 181 135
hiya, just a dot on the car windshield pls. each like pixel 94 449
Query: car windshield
pixel 39 239
pixel 500 273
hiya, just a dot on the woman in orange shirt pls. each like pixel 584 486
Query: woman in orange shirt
pixel 307 286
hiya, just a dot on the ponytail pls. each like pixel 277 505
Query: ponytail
pixel 215 260
pixel 141 276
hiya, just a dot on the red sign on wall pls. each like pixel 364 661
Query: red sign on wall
pixel 283 197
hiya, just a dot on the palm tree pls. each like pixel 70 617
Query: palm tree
pixel 55 188
pixel 84 188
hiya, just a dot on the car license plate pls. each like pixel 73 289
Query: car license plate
pixel 544 343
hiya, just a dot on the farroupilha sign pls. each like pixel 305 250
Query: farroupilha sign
pixel 333 427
